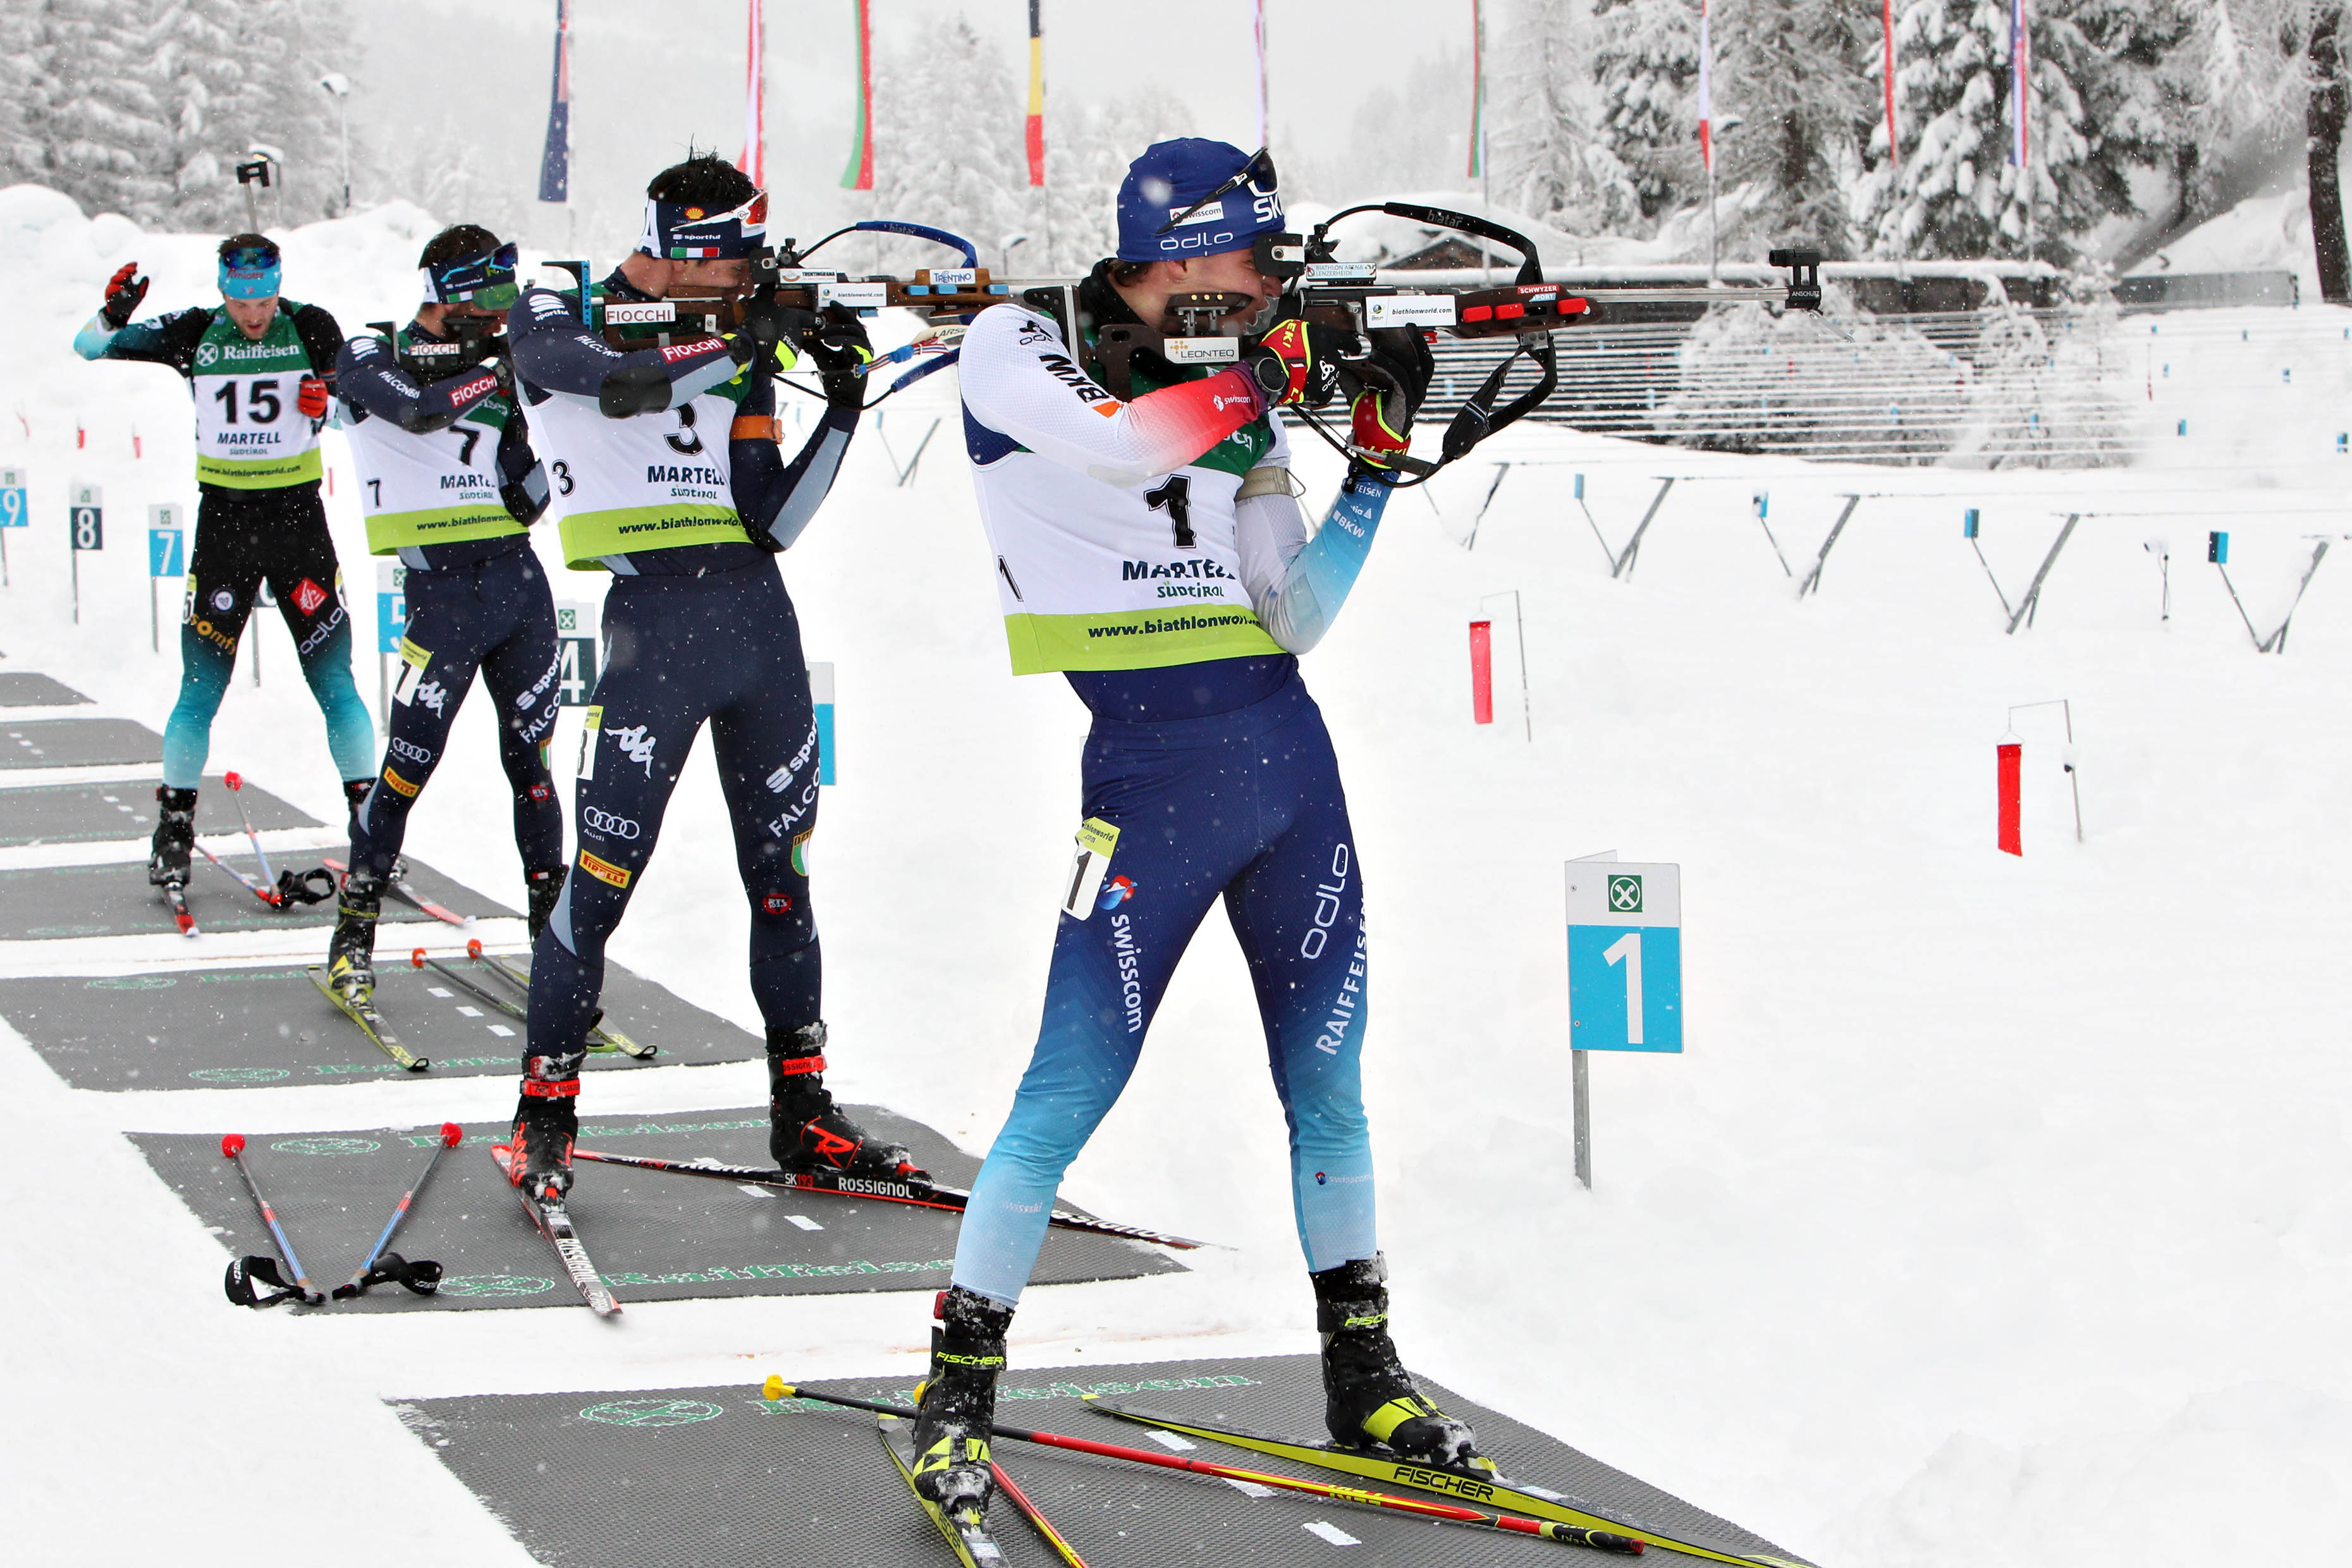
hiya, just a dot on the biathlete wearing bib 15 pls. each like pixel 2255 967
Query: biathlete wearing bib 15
pixel 450 486
pixel 1151 551
pixel 665 470
pixel 260 392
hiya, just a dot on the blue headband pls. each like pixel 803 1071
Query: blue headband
pixel 249 272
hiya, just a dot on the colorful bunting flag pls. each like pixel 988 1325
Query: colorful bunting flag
pixel 859 175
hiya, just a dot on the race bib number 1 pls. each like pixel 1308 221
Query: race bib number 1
pixel 1096 839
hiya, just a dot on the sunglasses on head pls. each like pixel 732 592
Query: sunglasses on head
pixel 249 258
pixel 1259 167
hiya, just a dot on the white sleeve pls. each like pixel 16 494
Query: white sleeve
pixel 1019 380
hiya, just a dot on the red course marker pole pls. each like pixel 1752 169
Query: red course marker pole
pixel 1482 672
pixel 2010 769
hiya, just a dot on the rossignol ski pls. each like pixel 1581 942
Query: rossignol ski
pixel 553 1219
pixel 1496 1491
pixel 920 1192
pixel 369 1022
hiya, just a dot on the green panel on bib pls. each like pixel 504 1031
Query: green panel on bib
pixel 260 473
pixel 588 537
pixel 1134 640
pixel 388 532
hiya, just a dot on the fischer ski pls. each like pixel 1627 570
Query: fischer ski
pixel 966 1533
pixel 369 1022
pixel 422 906
pixel 920 1192
pixel 176 895
pixel 600 1038
pixel 1492 1489
pixel 553 1219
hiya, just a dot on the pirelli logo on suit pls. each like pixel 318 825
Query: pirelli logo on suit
pixel 603 870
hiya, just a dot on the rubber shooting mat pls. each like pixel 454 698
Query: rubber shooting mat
pixel 116 899
pixel 98 813
pixel 77 743
pixel 654 1237
pixel 29 688
pixel 236 1028
pixel 717 1478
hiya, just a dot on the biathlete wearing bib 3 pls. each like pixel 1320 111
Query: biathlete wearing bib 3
pixel 1152 549
pixel 450 486
pixel 260 403
pixel 665 470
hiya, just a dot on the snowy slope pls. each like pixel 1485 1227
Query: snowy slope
pixel 2000 1210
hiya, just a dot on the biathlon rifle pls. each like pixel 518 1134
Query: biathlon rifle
pixel 781 277
pixel 473 340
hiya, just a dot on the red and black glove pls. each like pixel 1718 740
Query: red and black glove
pixel 1298 361
pixel 312 398
pixel 1395 377
pixel 123 292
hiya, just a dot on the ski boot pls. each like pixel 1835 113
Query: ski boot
pixel 546 1118
pixel 956 1405
pixel 351 952
pixel 175 836
pixel 543 886
pixel 808 1131
pixel 1369 1399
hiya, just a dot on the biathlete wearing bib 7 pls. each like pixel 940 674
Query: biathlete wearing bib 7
pixel 1152 550
pixel 663 469
pixel 257 517
pixel 449 484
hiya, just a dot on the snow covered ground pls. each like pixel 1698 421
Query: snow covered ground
pixel 2000 1210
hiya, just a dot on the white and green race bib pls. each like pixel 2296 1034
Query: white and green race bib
pixel 251 433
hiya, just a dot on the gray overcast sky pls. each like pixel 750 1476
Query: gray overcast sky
pixel 648 77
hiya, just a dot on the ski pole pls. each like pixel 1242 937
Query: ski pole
pixel 236 793
pixel 266 895
pixel 1565 1534
pixel 422 1277
pixel 232 1149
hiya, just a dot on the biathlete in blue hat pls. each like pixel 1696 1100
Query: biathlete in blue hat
pixel 258 369
pixel 666 471
pixel 450 485
pixel 1147 546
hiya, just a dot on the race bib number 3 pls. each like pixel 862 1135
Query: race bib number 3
pixel 590 725
pixel 1096 839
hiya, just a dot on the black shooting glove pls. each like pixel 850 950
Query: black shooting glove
pixel 835 340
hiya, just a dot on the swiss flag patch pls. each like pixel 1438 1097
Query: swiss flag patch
pixel 309 596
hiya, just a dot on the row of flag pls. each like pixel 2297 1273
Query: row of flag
pixel 555 166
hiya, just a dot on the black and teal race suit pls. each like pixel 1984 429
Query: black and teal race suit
pixel 258 518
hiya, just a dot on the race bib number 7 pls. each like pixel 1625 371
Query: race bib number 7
pixel 592 724
pixel 413 662
pixel 1096 839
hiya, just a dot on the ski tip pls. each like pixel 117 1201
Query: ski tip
pixel 417 959
pixel 474 948
pixel 451 1135
pixel 187 924
pixel 421 1064
pixel 232 1146
pixel 232 781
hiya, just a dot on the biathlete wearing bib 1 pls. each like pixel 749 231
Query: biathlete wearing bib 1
pixel 259 400
pixel 450 486
pixel 665 470
pixel 1151 551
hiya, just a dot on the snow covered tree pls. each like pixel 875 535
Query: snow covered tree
pixel 1074 222
pixel 947 142
pixel 1547 159
pixel 104 124
pixel 233 74
pixel 1793 72
pixel 1411 135
pixel 1645 63
pixel 22 62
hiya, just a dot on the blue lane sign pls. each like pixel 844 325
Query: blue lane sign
pixel 391 606
pixel 1624 956
pixel 821 694
pixel 14 512
pixel 167 555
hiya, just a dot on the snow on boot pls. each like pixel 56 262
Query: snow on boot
pixel 1368 1397
pixel 543 886
pixel 175 836
pixel 808 1133
pixel 351 952
pixel 546 1118
pixel 956 1412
